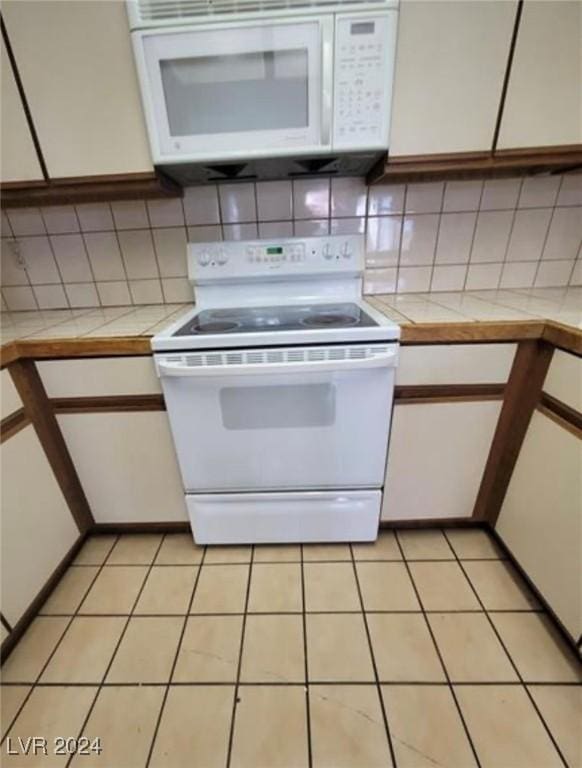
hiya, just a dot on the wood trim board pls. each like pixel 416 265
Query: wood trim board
pixel 443 393
pixel 108 404
pixel 11 425
pixel 560 413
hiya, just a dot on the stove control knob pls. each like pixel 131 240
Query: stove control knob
pixel 327 251
pixel 221 256
pixel 346 250
pixel 204 258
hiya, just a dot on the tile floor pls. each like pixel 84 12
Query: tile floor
pixel 424 649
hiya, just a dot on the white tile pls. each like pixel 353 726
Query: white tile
pixel 5 228
pixel 570 190
pixel 554 273
pixel 59 219
pixel 26 221
pixel 130 214
pixel 50 296
pixel 177 289
pixel 518 274
pixel 455 238
pixel 69 251
pixel 11 271
pixel 380 280
pixel 419 235
pixel 348 226
pixel 19 298
pixel 311 198
pixel 576 277
pixel 205 234
pixel 311 227
pixel 82 295
pixel 348 197
pixel 414 279
pixel 40 264
pixel 146 291
pixel 538 191
pixel 170 245
pixel 201 205
pixel 483 276
pixel 384 199
pixel 424 198
pixel 383 241
pixel 276 229
pixel 95 217
pixel 500 194
pixel 565 234
pixel 491 236
pixel 448 278
pixel 528 234
pixel 166 213
pixel 114 294
pixel 240 231
pixel 462 195
pixel 237 202
pixel 274 200
pixel 104 255
pixel 137 250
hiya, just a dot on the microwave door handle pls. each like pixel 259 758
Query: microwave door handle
pixel 326 82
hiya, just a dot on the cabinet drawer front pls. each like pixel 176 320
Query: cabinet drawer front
pixel 103 376
pixel 564 379
pixel 455 364
pixel 9 397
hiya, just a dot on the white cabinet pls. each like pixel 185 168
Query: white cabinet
pixel 76 66
pixel 564 379
pixel 88 377
pixel 543 106
pixel 436 459
pixel 450 64
pixel 9 398
pixel 37 526
pixel 541 517
pixel 455 364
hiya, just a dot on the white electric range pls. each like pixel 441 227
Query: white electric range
pixel 279 387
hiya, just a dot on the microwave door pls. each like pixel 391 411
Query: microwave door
pixel 251 90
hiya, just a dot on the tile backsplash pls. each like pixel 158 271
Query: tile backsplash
pixel 437 236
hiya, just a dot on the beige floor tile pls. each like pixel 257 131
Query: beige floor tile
pixel 32 652
pixel 498 585
pixel 70 590
pixel 270 728
pixel 147 651
pixel 384 548
pixel 437 737
pixel 443 587
pixel 561 708
pixel 228 555
pixel 85 651
pixel 168 590
pixel 115 590
pixel 538 652
pixel 337 648
pixel 209 650
pixel 49 712
pixel 273 650
pixel 403 648
pixel 347 727
pixel 11 698
pixel 425 545
pixel 315 552
pixel 386 587
pixel 195 727
pixel 472 543
pixel 179 549
pixel 125 718
pixel 277 553
pixel 505 728
pixel 221 589
pixel 275 587
pixel 95 550
pixel 135 549
pixel 470 648
pixel 330 587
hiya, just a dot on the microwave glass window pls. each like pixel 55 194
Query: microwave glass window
pixel 262 91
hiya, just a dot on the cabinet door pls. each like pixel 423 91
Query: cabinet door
pixel 436 459
pixel 541 517
pixel 543 106
pixel 18 158
pixel 37 526
pixel 450 63
pixel 77 69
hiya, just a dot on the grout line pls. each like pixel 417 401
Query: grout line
pixel 300 684
pixel 306 663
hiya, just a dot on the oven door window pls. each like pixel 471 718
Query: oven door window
pixel 278 407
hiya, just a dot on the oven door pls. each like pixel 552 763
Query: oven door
pixel 231 91
pixel 281 419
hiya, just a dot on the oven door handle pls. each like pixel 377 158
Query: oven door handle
pixel 382 360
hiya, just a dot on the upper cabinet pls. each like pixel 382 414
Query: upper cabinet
pixel 76 66
pixel 543 106
pixel 450 64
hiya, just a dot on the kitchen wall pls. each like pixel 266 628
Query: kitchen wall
pixel 510 233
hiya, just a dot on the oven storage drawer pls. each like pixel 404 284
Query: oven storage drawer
pixel 263 518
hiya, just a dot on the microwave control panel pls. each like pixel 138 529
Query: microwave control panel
pixel 364 69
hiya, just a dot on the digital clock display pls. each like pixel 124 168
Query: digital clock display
pixel 274 250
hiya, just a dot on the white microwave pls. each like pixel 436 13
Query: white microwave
pixel 300 82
